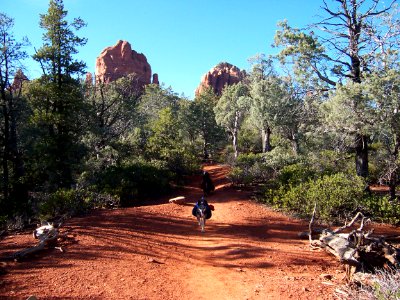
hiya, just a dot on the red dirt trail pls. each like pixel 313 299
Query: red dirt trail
pixel 158 252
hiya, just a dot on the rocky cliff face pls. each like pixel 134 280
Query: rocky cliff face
pixel 219 76
pixel 119 61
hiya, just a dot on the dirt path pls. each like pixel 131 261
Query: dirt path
pixel 158 252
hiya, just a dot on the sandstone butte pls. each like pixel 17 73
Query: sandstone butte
pixel 222 74
pixel 120 60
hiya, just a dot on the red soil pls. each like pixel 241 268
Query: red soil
pixel 158 252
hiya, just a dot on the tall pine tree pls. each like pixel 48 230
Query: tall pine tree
pixel 57 100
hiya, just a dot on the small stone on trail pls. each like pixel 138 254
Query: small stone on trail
pixel 326 276
pixel 152 260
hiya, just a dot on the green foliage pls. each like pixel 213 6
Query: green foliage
pixel 382 208
pixel 278 158
pixel 249 139
pixel 166 144
pixel 328 162
pixel 63 202
pixel 295 174
pixel 350 110
pixel 249 169
pixel 337 197
pixel 155 99
pixel 199 122
pixel 60 44
pixel 231 109
pixel 56 101
pixel 136 181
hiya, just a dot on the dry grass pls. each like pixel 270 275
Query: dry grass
pixel 384 285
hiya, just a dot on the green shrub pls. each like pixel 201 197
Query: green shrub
pixel 382 208
pixel 249 169
pixel 135 181
pixel 328 162
pixel 279 158
pixel 337 197
pixel 295 174
pixel 63 202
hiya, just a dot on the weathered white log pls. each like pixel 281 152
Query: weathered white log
pixel 178 200
pixel 46 234
pixel 340 246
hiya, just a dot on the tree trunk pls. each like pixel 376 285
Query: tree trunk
pixel 392 185
pixel 266 140
pixel 393 174
pixel 235 135
pixel 5 152
pixel 235 143
pixel 205 151
pixel 361 148
pixel 295 144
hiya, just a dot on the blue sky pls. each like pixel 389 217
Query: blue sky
pixel 182 39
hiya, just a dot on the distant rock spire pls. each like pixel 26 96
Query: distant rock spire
pixel 119 61
pixel 222 74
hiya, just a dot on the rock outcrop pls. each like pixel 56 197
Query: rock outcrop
pixel 219 76
pixel 155 78
pixel 119 61
pixel 18 81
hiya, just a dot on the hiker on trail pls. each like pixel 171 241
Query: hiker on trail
pixel 207 184
pixel 203 202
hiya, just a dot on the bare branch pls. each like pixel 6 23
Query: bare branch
pixel 322 77
pixel 358 215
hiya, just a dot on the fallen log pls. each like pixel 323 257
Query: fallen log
pixel 358 250
pixel 46 234
pixel 178 200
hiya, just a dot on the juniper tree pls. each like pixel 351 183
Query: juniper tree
pixel 345 49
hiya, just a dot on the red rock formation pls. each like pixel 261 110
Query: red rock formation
pixel 155 78
pixel 89 78
pixel 219 76
pixel 119 61
pixel 19 78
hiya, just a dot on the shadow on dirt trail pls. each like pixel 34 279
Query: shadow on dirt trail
pixel 158 252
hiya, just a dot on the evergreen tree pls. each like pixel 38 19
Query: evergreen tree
pixel 345 51
pixel 201 119
pixel 57 100
pixel 11 55
pixel 231 110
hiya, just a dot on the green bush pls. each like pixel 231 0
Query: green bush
pixel 328 162
pixel 135 181
pixel 337 197
pixel 295 174
pixel 63 202
pixel 249 169
pixel 382 208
